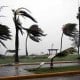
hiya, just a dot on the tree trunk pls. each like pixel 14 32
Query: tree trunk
pixel 79 32
pixel 26 45
pixel 16 40
pixel 51 64
pixel 61 42
pixel 16 46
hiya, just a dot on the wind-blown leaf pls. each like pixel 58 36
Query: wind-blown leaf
pixel 4 32
pixel 3 44
pixel 10 51
pixel 23 13
pixel 69 29
pixel 22 9
pixel 66 52
pixel 36 39
pixel 36 31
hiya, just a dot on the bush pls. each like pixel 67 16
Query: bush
pixel 64 53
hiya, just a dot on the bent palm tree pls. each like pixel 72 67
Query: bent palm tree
pixel 34 33
pixel 70 30
pixel 18 26
pixel 4 31
pixel 4 34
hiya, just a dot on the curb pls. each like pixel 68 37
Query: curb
pixel 33 76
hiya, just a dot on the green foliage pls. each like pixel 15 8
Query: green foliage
pixel 55 69
pixel 4 34
pixel 69 29
pixel 66 52
pixel 33 59
pixel 34 33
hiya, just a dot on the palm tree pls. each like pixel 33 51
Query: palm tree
pixel 34 33
pixel 61 42
pixel 18 26
pixel 4 31
pixel 4 34
pixel 68 29
pixel 61 54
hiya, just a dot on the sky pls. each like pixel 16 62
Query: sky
pixel 51 16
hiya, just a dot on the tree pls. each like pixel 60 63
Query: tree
pixel 61 42
pixel 61 54
pixel 70 30
pixel 18 26
pixel 4 31
pixel 34 33
pixel 4 34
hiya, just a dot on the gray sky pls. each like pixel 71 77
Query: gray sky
pixel 51 16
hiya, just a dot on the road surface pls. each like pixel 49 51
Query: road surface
pixel 20 70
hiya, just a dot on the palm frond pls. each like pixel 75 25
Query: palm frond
pixel 23 13
pixel 4 32
pixel 10 51
pixel 36 31
pixel 22 8
pixel 3 44
pixel 69 29
pixel 66 52
pixel 36 39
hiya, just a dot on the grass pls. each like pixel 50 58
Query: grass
pixel 6 60
pixel 55 69
pixel 70 57
pixel 45 59
pixel 30 59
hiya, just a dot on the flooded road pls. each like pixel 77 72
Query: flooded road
pixel 20 70
pixel 13 71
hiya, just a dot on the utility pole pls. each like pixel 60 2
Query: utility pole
pixel 79 29
pixel 78 16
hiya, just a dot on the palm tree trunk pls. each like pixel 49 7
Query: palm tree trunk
pixel 16 40
pixel 26 45
pixel 61 42
pixel 78 50
pixel 51 64
pixel 16 46
pixel 79 33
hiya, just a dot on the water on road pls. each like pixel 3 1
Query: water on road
pixel 20 70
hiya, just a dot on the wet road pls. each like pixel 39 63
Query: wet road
pixel 20 70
